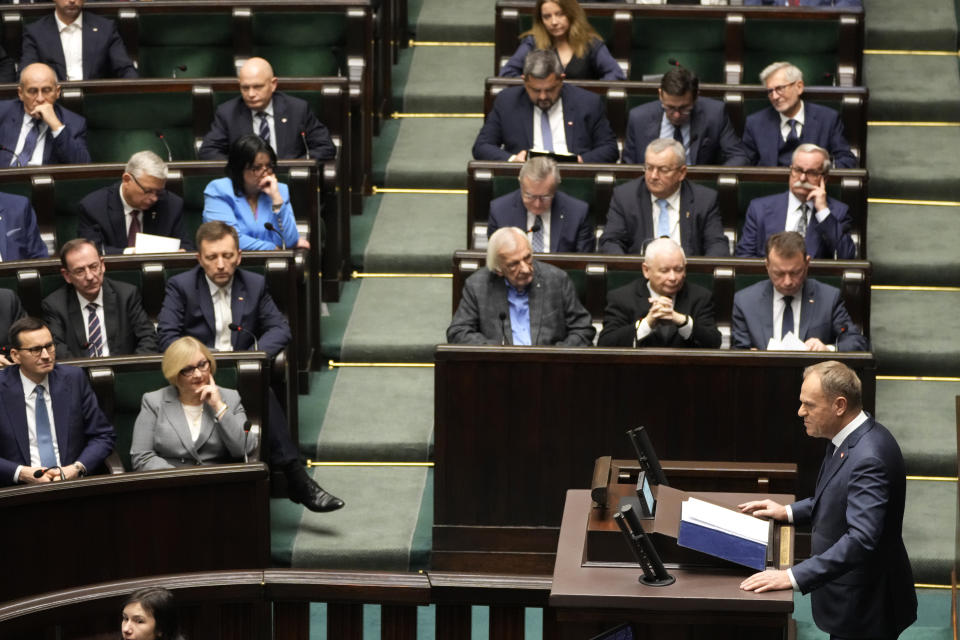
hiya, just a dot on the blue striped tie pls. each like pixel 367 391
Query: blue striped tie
pixel 44 438
pixel 94 339
pixel 29 145
pixel 264 126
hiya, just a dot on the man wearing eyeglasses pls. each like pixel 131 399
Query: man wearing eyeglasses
pixel 554 222
pixel 804 208
pixel 771 135
pixel 92 316
pixel 34 129
pixel 112 216
pixel 663 204
pixel 51 427
pixel 701 125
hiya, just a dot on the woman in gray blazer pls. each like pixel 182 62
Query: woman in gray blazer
pixel 193 421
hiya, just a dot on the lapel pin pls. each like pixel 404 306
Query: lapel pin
pixel 842 453
pixel 688 214
pixel 283 120
pixel 570 123
pixel 240 299
pixel 810 300
pixel 95 29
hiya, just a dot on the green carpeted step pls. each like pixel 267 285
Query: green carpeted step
pixel 929 523
pixel 445 79
pixel 416 233
pixel 915 332
pixel 922 415
pixel 376 527
pixel 284 520
pixel 338 316
pixel 933 617
pixel 312 407
pixel 918 24
pixel 429 153
pixel 911 162
pixel 397 427
pixel 398 320
pixel 913 244
pixel 900 87
pixel 456 20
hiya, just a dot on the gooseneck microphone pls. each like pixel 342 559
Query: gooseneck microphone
pixel 536 226
pixel 503 328
pixel 163 139
pixel 180 67
pixel 246 434
pixel 239 329
pixel 306 149
pixel 269 227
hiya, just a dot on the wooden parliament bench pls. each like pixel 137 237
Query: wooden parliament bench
pixel 597 274
pixel 594 184
pixel 720 43
pixel 516 427
pixel 740 100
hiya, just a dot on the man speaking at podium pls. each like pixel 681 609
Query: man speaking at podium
pixel 858 575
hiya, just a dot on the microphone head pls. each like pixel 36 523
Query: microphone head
pixel 38 473
pixel 181 67
pixel 673 62
pixel 233 326
pixel 159 134
pixel 246 427
pixel 503 316
pixel 268 226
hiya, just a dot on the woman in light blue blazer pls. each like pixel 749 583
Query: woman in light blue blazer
pixel 193 421
pixel 251 200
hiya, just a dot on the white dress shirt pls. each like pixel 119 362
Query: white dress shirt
pixel 778 309
pixel 673 211
pixel 557 129
pixel 30 400
pixel 222 314
pixel 37 158
pixel 71 39
pixel 793 212
pixel 785 123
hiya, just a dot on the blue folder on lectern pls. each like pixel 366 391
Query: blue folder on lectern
pixel 724 533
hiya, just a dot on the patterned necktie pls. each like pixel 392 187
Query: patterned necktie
pixel 44 438
pixel 95 335
pixel 677 134
pixel 29 144
pixel 134 228
pixel 663 221
pixel 537 236
pixel 793 136
pixel 545 131
pixel 802 222
pixel 264 126
pixel 787 325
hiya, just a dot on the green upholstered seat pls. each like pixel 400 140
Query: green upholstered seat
pixel 301 44
pixel 809 44
pixel 119 125
pixel 202 42
pixel 698 45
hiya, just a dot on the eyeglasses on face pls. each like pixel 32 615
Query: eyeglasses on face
pixel 202 367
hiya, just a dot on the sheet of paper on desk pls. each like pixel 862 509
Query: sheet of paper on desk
pixel 724 533
pixel 789 342
pixel 149 243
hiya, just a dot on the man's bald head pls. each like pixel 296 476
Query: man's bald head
pixel 257 83
pixel 38 85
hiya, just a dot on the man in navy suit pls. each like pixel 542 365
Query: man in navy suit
pixel 771 135
pixel 91 316
pixel 203 302
pixel 10 311
pixel 790 302
pixel 701 125
pixel 51 427
pixel 19 235
pixel 286 123
pixel 111 216
pixel 804 208
pixel 565 229
pixel 34 129
pixel 546 115
pixel 662 203
pixel 858 575
pixel 78 45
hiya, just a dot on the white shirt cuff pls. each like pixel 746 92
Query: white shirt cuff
pixel 686 329
pixel 643 329
pixel 793 580
pixel 822 214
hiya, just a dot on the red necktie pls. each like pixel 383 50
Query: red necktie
pixel 134 228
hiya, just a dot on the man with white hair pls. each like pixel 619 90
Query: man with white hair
pixel 804 208
pixel 771 135
pixel 660 309
pixel 516 300
pixel 111 216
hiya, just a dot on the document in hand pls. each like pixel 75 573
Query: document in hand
pixel 724 533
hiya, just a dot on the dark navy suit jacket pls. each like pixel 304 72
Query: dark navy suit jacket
pixel 70 147
pixel 19 234
pixel 188 311
pixel 127 327
pixel 630 220
pixel 104 55
pixel 822 315
pixel 83 432
pixel 712 137
pixel 508 128
pixel 102 219
pixel 569 231
pixel 822 127
pixel 10 311
pixel 291 116
pixel 768 215
pixel 858 575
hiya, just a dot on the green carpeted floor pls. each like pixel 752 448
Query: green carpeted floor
pixel 416 233
pixel 922 415
pixel 914 332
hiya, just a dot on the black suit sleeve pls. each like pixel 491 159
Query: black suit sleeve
pixel 318 138
pixel 8 72
pixel 88 227
pixel 216 144
pixel 140 324
pixel 715 243
pixel 58 326
pixel 585 236
pixel 619 320
pixel 617 235
pixel 121 66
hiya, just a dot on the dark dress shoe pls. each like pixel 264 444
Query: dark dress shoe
pixel 303 490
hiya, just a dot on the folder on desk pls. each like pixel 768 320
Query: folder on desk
pixel 724 533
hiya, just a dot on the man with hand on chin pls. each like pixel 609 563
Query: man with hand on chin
pixel 51 427
pixel 34 129
pixel 804 208
pixel 660 309
pixel 858 574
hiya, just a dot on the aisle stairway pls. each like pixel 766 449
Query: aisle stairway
pixel 397 310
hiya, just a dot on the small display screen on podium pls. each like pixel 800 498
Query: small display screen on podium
pixel 621 632
pixel 645 495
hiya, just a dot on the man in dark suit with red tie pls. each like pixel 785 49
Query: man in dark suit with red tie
pixel 111 216
pixel 78 45
pixel 858 574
